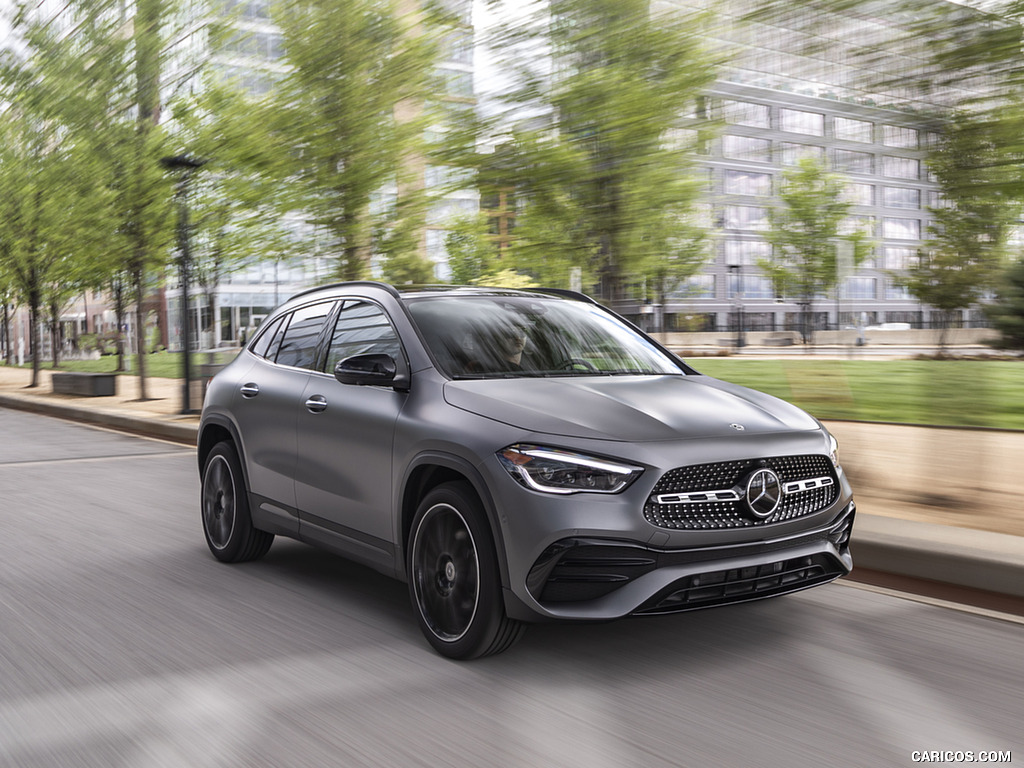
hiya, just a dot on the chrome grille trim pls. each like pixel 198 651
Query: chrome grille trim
pixel 733 494
pixel 699 496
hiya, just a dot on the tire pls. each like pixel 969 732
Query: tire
pixel 224 504
pixel 454 582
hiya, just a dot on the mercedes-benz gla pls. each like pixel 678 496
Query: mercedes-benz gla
pixel 515 456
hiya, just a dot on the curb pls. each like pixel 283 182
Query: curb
pixel 963 557
pixel 186 434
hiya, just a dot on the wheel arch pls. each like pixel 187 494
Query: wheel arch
pixel 430 470
pixel 216 429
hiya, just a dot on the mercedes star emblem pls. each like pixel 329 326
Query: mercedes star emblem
pixel 764 493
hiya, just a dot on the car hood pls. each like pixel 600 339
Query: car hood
pixel 633 408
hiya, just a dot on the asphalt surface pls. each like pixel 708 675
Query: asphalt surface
pixel 124 643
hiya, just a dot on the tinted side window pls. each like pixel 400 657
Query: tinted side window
pixel 298 347
pixel 261 345
pixel 362 329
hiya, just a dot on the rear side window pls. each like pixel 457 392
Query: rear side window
pixel 262 344
pixel 299 345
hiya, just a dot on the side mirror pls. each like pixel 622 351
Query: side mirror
pixel 367 370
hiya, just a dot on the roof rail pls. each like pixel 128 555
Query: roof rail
pixel 373 283
pixel 565 293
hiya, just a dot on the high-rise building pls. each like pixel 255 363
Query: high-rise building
pixel 838 87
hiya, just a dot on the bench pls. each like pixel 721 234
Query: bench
pixel 85 384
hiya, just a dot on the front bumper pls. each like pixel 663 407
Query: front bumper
pixel 588 578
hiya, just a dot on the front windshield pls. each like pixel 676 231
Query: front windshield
pixel 510 336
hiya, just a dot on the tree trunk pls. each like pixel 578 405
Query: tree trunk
pixel 33 334
pixel 138 278
pixel 7 333
pixel 55 340
pixel 119 313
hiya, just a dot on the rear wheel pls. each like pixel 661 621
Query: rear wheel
pixel 454 582
pixel 225 508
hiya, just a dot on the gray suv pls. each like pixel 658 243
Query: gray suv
pixel 514 456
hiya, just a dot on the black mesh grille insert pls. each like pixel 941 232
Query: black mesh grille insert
pixel 733 513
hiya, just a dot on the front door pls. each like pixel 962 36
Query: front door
pixel 345 436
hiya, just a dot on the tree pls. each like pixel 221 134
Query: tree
pixel 98 90
pixel 239 212
pixel 1007 312
pixel 805 233
pixel 350 115
pixel 967 243
pixel 471 254
pixel 601 162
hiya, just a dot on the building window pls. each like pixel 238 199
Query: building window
pixel 850 161
pixel 901 167
pixel 865 225
pixel 746 217
pixel 791 154
pixel 860 288
pixel 859 194
pixel 746 253
pixel 893 291
pixel 457 83
pixel 745 113
pixel 695 287
pixel 458 47
pixel 748 183
pixel 750 286
pixel 898 136
pixel 902 197
pixel 901 229
pixel 852 130
pixel 746 148
pixel 898 258
pixel 798 121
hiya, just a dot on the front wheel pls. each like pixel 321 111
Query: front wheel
pixel 453 576
pixel 227 523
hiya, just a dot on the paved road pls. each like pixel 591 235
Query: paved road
pixel 124 644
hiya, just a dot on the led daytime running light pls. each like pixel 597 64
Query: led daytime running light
pixel 550 470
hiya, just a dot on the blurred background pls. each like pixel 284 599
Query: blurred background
pixel 822 198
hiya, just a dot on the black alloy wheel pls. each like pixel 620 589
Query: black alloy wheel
pixel 227 523
pixel 453 576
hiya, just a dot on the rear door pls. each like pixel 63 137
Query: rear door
pixel 270 401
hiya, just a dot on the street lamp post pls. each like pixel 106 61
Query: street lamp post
pixel 186 165
pixel 737 271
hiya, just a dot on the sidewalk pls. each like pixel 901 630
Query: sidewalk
pixel 933 503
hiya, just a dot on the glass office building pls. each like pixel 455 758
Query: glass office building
pixel 838 88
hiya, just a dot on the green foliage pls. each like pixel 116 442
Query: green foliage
pixel 51 191
pixel 350 114
pixel 1007 313
pixel 601 166
pixel 239 212
pixel 471 252
pixel 966 247
pixel 805 235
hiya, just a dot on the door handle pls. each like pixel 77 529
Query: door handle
pixel 250 390
pixel 316 404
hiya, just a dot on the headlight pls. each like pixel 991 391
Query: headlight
pixel 833 451
pixel 551 470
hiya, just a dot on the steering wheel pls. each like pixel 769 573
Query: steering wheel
pixel 574 364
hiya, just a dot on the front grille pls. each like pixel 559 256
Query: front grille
pixel 711 496
pixel 738 585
